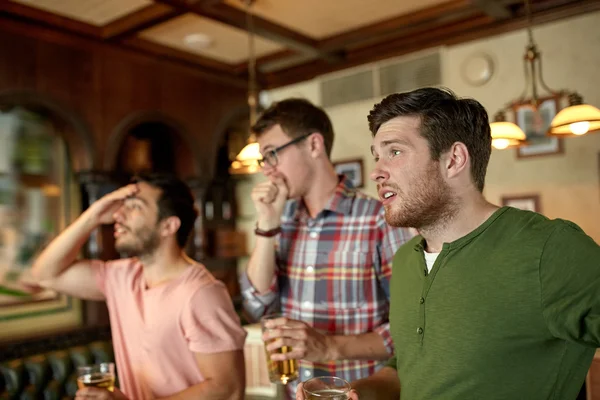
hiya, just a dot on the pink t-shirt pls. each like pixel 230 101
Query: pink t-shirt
pixel 156 331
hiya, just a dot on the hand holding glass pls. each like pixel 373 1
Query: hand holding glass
pixel 279 371
pixel 100 375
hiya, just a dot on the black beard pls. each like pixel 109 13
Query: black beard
pixel 147 243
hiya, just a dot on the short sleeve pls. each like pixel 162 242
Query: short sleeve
pixel 210 323
pixel 101 275
pixel 570 285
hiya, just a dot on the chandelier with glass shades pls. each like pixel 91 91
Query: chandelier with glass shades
pixel 575 120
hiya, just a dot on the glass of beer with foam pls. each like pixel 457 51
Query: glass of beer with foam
pixel 279 371
pixel 326 387
pixel 99 375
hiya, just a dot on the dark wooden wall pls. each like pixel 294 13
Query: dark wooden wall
pixel 100 91
pixel 102 86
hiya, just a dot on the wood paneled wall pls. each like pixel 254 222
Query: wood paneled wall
pixel 103 85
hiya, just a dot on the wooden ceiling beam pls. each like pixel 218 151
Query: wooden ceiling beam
pixel 400 46
pixel 242 68
pixel 236 18
pixel 475 28
pixel 170 53
pixel 384 30
pixel 492 8
pixel 137 21
pixel 48 19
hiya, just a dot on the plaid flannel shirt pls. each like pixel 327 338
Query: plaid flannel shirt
pixel 333 272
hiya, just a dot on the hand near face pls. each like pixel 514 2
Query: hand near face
pixel 102 210
pixel 92 393
pixel 300 393
pixel 306 342
pixel 269 199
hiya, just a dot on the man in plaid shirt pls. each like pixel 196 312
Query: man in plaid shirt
pixel 323 258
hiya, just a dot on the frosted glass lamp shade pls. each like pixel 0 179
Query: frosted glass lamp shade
pixel 246 162
pixel 577 120
pixel 506 134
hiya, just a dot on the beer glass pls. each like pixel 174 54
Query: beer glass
pixel 99 375
pixel 279 371
pixel 326 387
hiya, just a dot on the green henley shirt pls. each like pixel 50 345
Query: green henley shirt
pixel 509 311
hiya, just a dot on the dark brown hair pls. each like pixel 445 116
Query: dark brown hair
pixel 176 199
pixel 445 120
pixel 297 117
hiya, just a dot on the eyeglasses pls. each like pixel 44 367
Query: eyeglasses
pixel 270 157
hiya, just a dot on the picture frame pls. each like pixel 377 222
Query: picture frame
pixel 353 169
pixel 524 202
pixel 535 125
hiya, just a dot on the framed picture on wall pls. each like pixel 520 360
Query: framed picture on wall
pixel 353 169
pixel 523 202
pixel 535 124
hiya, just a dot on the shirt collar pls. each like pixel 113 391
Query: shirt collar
pixel 340 201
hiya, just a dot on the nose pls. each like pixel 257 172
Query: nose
pixel 379 174
pixel 268 171
pixel 119 215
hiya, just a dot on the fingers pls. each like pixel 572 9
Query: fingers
pixel 265 192
pixel 300 392
pixel 278 343
pixel 284 322
pixel 126 191
pixel 281 184
pixel 353 395
pixel 298 353
pixel 275 334
pixel 121 194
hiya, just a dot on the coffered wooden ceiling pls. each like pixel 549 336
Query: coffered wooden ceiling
pixel 295 40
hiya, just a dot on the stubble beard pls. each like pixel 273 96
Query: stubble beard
pixel 429 204
pixel 145 244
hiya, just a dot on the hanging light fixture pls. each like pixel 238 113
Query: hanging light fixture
pixel 569 121
pixel 505 134
pixel 577 119
pixel 246 162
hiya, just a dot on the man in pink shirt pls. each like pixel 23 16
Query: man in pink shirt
pixel 174 329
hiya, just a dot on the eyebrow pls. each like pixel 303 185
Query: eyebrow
pixel 387 143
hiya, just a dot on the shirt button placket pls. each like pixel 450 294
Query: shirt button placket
pixel 420 329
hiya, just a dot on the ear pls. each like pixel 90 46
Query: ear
pixel 456 160
pixel 170 226
pixel 317 144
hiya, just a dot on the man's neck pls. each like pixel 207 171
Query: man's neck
pixel 471 213
pixel 163 265
pixel 322 188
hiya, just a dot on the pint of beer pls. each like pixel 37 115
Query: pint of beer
pixel 99 375
pixel 326 387
pixel 279 371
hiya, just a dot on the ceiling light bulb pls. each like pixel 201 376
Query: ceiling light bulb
pixel 198 40
pixel 500 144
pixel 579 128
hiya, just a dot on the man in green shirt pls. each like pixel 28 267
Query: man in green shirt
pixel 487 302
